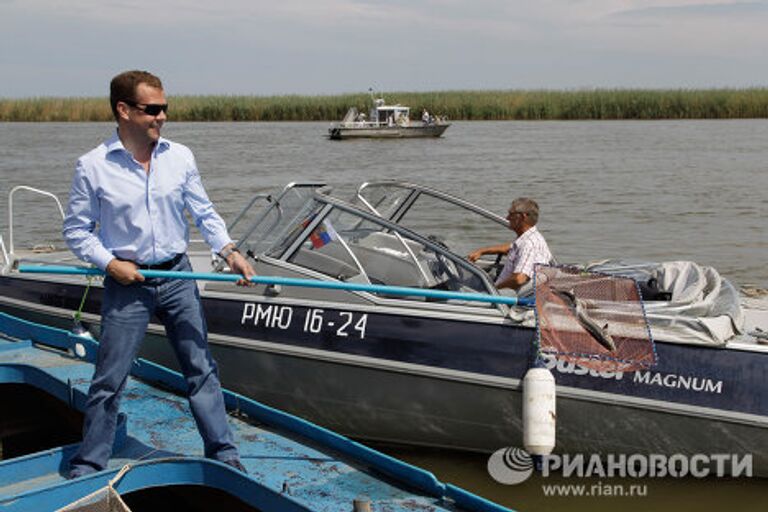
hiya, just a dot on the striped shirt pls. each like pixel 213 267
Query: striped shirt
pixel 527 250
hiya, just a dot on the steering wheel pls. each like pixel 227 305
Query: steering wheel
pixel 495 270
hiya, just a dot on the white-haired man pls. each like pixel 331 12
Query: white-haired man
pixel 529 248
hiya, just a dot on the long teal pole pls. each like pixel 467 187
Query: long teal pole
pixel 291 281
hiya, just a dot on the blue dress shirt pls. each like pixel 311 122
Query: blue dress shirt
pixel 140 215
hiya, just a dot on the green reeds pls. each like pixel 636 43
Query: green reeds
pixel 465 105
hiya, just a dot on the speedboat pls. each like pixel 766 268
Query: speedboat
pixel 386 122
pixel 441 372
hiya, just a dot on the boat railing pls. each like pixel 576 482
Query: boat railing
pixel 385 124
pixel 421 189
pixel 399 238
pixel 349 251
pixel 6 258
pixel 267 197
pixel 275 204
pixel 400 233
pixel 379 124
pixel 9 255
pixel 362 124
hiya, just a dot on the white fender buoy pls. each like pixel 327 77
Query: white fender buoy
pixel 80 350
pixel 539 411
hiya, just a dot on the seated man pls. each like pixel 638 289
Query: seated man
pixel 526 251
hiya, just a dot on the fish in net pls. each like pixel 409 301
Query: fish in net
pixel 594 320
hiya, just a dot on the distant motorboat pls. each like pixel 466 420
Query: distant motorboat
pixel 386 122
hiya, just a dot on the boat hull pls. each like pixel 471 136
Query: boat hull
pixel 292 465
pixel 414 408
pixel 451 383
pixel 387 132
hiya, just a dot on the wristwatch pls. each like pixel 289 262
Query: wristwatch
pixel 225 253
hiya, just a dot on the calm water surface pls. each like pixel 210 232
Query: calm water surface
pixel 663 190
pixel 654 190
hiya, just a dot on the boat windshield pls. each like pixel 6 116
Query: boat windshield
pixel 341 243
pixel 352 116
pixel 458 224
pixel 271 229
pixel 393 114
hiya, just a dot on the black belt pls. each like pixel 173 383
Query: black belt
pixel 163 265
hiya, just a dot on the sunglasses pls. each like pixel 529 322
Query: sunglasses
pixel 151 109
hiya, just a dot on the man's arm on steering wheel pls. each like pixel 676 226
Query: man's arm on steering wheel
pixel 494 249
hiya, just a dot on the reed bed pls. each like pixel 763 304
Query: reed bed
pixel 457 105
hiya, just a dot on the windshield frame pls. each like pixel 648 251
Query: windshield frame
pixel 417 190
pixel 331 203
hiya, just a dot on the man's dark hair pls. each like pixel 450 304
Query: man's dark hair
pixel 123 86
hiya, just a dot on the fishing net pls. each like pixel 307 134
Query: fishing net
pixel 593 320
pixel 105 499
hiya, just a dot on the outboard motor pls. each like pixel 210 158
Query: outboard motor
pixel 650 291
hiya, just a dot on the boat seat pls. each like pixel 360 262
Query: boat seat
pixel 385 259
pixel 390 267
pixel 387 241
pixel 321 261
pixel 381 255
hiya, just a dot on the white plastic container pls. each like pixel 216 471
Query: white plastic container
pixel 539 411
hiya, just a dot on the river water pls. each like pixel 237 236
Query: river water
pixel 658 190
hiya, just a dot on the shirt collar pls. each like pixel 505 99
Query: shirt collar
pixel 529 232
pixel 115 144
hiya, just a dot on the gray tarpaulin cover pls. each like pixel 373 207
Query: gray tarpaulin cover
pixel 705 307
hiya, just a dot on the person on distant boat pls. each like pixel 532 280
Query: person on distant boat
pixel 136 187
pixel 530 247
pixel 425 117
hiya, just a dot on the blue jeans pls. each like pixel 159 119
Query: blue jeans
pixel 125 314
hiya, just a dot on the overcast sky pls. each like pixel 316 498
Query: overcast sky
pixel 74 47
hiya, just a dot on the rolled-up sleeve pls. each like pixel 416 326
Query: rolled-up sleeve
pixel 210 224
pixel 80 221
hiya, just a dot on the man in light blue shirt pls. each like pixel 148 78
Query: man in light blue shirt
pixel 136 187
pixel 140 213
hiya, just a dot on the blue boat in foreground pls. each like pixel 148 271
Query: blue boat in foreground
pixel 293 465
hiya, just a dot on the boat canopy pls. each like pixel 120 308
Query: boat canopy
pixel 702 307
pixel 381 113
